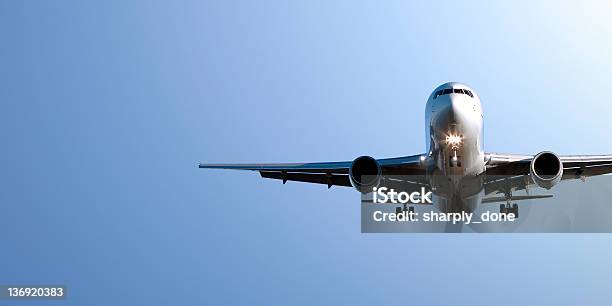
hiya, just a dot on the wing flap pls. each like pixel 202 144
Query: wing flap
pixel 317 178
pixel 515 198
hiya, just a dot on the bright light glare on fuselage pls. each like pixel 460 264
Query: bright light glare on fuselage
pixel 453 140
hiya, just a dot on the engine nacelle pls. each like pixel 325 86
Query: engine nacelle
pixel 546 169
pixel 365 173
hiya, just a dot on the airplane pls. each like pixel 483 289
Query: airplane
pixel 454 164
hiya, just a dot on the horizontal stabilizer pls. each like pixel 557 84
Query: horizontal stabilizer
pixel 516 198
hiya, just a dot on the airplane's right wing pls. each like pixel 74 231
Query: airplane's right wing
pixel 328 173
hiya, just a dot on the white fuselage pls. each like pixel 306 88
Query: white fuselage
pixel 454 132
pixel 454 138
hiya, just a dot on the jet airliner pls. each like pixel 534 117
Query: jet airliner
pixel 454 163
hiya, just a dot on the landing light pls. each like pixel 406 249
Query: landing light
pixel 453 140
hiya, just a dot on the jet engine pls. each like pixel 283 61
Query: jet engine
pixel 546 169
pixel 365 173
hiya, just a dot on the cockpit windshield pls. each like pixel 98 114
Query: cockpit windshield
pixel 449 91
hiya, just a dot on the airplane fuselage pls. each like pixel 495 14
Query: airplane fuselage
pixel 454 139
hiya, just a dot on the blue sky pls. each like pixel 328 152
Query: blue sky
pixel 107 107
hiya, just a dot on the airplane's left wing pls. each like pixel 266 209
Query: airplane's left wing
pixel 328 173
pixel 511 171
pixel 574 166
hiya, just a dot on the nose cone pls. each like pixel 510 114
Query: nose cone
pixel 451 109
pixel 454 115
pixel 460 108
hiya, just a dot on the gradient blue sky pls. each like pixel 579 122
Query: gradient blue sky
pixel 108 106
